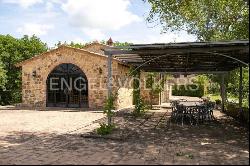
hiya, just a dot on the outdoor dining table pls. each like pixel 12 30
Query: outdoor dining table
pixel 194 111
pixel 191 103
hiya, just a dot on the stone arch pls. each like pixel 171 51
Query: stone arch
pixel 55 60
pixel 69 88
pixel 65 60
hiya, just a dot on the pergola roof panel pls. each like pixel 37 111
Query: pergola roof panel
pixel 185 57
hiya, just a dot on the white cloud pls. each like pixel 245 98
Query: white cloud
pixel 49 6
pixel 169 37
pixel 78 40
pixel 94 34
pixel 34 28
pixel 23 3
pixel 99 14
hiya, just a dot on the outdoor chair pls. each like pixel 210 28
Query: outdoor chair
pixel 173 105
pixel 196 115
pixel 210 106
pixel 181 113
pixel 188 114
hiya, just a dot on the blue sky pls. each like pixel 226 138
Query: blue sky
pixel 83 21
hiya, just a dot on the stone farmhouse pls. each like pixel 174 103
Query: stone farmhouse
pixel 73 78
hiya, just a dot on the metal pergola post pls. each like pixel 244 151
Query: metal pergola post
pixel 223 92
pixel 240 91
pixel 109 81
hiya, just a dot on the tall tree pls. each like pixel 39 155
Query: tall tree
pixel 207 19
pixel 12 51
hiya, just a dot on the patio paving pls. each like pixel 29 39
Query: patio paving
pixel 36 137
pixel 51 121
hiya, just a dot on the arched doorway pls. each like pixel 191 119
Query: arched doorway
pixel 67 86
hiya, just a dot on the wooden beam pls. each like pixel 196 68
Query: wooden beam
pixel 182 59
pixel 182 69
pixel 158 51
pixel 192 44
pixel 199 72
pixel 187 61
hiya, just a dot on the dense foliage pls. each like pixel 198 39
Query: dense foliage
pixel 206 19
pixel 3 77
pixel 233 85
pixel 12 51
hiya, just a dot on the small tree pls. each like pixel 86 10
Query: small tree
pixel 104 128
pixel 140 106
pixel 109 106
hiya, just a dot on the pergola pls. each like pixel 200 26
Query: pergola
pixel 185 58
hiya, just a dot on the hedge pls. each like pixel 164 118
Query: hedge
pixel 188 90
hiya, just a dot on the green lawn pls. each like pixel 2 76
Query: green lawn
pixel 214 97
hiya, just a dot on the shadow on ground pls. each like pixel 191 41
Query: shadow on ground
pixel 219 142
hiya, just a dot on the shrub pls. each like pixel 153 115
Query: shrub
pixel 105 129
pixel 140 107
pixel 109 106
pixel 188 90
pixel 217 103
pixel 233 110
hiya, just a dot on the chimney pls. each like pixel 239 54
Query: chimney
pixel 110 42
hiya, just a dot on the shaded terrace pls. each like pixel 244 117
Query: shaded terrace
pixel 185 58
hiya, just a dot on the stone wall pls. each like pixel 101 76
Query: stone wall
pixel 94 66
pixel 124 87
pixel 156 98
pixel 145 92
pixel 166 94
